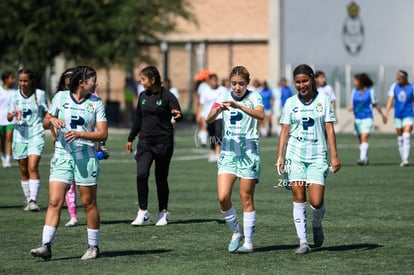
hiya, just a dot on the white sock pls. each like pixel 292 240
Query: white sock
pixel 400 143
pixel 7 158
pixel 249 223
pixel 93 237
pixel 406 145
pixel 48 234
pixel 231 219
pixel 317 216
pixel 26 189
pixel 34 185
pixel 299 217
pixel 363 151
pixel 203 136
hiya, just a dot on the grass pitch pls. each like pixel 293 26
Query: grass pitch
pixel 368 223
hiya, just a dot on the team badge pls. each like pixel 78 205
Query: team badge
pixel 159 102
pixel 353 34
pixel 319 107
pixel 143 101
pixel 90 108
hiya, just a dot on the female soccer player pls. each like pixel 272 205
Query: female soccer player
pixel 362 99
pixel 402 93
pixel 307 127
pixel 6 127
pixel 27 107
pixel 156 105
pixel 268 99
pixel 70 197
pixel 79 117
pixel 324 87
pixel 207 99
pixel 239 157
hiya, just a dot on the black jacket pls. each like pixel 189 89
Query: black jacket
pixel 153 117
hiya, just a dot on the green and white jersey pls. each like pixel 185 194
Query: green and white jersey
pixel 240 131
pixel 307 136
pixel 78 116
pixel 32 108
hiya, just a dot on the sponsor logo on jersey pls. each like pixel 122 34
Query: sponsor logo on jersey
pixel 143 101
pixel 159 102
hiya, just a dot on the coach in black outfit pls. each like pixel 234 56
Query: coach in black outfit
pixel 156 106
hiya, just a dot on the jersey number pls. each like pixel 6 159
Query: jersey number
pixel 307 122
pixel 75 121
pixel 235 116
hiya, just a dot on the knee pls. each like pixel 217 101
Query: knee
pixel 246 200
pixel 224 200
pixel 316 203
pixel 142 175
pixel 55 203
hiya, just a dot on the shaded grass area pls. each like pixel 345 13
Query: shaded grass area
pixel 368 223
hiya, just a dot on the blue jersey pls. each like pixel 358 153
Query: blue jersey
pixel 362 102
pixel 403 98
pixel 267 96
pixel 285 93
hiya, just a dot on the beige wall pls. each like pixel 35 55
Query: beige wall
pixel 235 33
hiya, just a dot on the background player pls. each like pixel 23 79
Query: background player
pixel 401 93
pixel 6 127
pixel 27 107
pixel 79 117
pixel 362 99
pixel 307 128
pixel 240 156
pixel 324 87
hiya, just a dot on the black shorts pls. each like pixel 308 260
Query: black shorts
pixel 214 131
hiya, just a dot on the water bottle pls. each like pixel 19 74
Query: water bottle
pixel 100 155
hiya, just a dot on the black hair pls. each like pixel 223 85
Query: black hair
pixel 68 73
pixel 319 73
pixel 6 75
pixel 265 85
pixel 152 73
pixel 32 78
pixel 80 73
pixel 242 71
pixel 303 69
pixel 364 80
pixel 213 75
pixel 403 73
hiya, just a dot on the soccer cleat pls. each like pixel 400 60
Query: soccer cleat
pixel 27 207
pixel 235 243
pixel 91 253
pixel 44 251
pixel 404 163
pixel 318 236
pixel 303 249
pixel 363 162
pixel 33 206
pixel 244 249
pixel 162 218
pixel 142 218
pixel 72 222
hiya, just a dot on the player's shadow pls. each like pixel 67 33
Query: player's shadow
pixel 274 248
pixel 118 253
pixel 11 206
pixel 121 253
pixel 117 222
pixel 362 246
pixel 192 221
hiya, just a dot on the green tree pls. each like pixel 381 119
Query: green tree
pixel 102 33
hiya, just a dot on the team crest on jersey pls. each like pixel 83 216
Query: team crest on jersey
pixel 143 101
pixel 90 108
pixel 319 107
